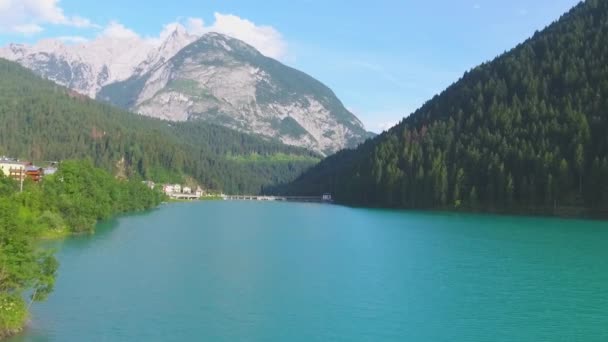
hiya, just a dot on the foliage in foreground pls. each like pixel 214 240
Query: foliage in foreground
pixel 73 200
pixel 13 313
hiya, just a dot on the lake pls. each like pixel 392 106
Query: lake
pixel 269 271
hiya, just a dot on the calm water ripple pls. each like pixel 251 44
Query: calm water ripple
pixel 252 271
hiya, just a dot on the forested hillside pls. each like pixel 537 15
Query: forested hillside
pixel 45 122
pixel 71 201
pixel 527 132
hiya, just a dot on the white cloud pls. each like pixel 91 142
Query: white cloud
pixel 81 22
pixel 43 10
pixel 30 16
pixel 265 38
pixel 73 39
pixel 195 26
pixel 27 29
pixel 118 30
pixel 167 30
pixel 4 5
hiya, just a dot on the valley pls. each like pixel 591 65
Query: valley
pixel 213 78
pixel 195 186
pixel 43 121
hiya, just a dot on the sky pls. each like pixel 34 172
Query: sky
pixel 382 58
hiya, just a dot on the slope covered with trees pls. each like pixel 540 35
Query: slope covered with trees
pixel 71 201
pixel 527 132
pixel 42 121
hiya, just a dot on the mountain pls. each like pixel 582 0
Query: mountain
pixel 84 68
pixel 213 78
pixel 167 49
pixel 42 121
pixel 89 66
pixel 526 133
pixel 225 81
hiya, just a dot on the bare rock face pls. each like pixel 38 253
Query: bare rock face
pixel 213 78
pixel 89 66
pixel 225 81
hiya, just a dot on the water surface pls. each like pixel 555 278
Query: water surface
pixel 259 271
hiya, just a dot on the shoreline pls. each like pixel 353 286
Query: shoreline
pixel 572 213
pixel 201 199
pixel 4 335
pixel 47 236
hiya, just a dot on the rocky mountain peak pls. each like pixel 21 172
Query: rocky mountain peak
pixel 176 41
pixel 228 44
pixel 225 81
pixel 84 67
pixel 214 78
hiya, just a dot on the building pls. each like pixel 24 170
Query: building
pixel 12 168
pixel 168 189
pixel 199 192
pixel 187 190
pixel 327 197
pixel 34 173
pixel 177 188
pixel 47 171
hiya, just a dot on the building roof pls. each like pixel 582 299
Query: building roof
pixel 11 161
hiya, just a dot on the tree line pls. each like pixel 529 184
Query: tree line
pixel 526 132
pixel 71 201
pixel 42 121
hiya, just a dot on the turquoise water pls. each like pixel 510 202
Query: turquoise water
pixel 259 271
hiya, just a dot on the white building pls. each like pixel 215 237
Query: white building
pixel 177 188
pixel 186 190
pixel 10 167
pixel 199 192
pixel 168 189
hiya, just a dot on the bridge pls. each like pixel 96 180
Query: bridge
pixel 188 197
pixel 312 199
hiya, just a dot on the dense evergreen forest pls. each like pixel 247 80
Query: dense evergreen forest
pixel 527 132
pixel 45 122
pixel 71 201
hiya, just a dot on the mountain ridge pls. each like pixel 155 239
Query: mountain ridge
pixel 226 81
pixel 45 121
pixel 234 85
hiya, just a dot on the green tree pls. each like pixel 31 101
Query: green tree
pixel 534 111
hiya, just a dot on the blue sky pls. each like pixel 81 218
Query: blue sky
pixel 383 58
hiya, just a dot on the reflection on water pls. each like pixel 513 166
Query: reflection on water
pixel 226 271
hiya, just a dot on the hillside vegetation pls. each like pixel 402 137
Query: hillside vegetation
pixel 45 122
pixel 527 132
pixel 71 201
